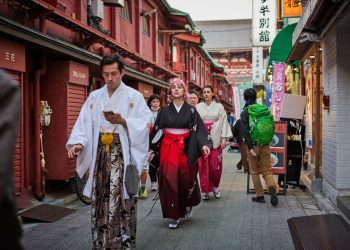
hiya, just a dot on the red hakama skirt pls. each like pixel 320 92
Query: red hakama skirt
pixel 178 184
pixel 210 168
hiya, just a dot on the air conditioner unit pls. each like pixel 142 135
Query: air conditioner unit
pixel 114 3
pixel 97 8
pixel 193 76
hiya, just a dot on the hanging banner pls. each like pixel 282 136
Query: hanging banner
pixel 278 89
pixel 257 65
pixel 291 8
pixel 264 22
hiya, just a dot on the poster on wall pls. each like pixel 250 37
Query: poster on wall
pixel 278 148
pixel 278 89
pixel 268 95
pixel 308 109
pixel 260 94
pixel 264 23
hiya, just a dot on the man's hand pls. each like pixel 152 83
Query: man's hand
pixel 206 150
pixel 252 152
pixel 75 150
pixel 115 118
pixel 223 143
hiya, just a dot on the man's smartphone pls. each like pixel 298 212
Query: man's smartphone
pixel 108 112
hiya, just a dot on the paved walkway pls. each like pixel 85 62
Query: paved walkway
pixel 232 222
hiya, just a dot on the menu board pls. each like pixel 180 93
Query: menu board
pixel 279 148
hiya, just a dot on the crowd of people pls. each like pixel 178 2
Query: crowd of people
pixel 117 129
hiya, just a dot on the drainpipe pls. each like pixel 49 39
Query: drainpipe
pixel 39 178
pixel 318 114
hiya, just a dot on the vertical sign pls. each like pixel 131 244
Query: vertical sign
pixel 237 102
pixel 257 65
pixel 264 22
pixel 278 88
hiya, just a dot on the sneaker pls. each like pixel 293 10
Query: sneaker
pixel 142 194
pixel 217 193
pixel 154 186
pixel 173 224
pixel 189 213
pixel 258 199
pixel 273 194
pixel 205 196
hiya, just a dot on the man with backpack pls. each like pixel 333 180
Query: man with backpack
pixel 258 130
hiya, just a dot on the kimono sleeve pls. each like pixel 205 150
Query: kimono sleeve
pixel 203 137
pixel 226 130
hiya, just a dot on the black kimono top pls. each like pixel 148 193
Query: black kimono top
pixel 187 117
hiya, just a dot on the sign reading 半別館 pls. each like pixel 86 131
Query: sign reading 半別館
pixel 264 23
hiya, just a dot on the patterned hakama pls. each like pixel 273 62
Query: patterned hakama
pixel 113 218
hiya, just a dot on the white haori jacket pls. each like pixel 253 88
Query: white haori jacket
pixel 215 112
pixel 133 108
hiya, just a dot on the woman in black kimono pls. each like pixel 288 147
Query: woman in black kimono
pixel 178 149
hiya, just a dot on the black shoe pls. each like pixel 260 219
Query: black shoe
pixel 259 199
pixel 239 165
pixel 274 198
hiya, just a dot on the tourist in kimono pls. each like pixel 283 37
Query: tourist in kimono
pixel 193 98
pixel 111 133
pixel 10 105
pixel 177 175
pixel 214 117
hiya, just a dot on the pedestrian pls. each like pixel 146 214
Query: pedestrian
pixel 179 149
pixel 237 132
pixel 10 229
pixel 111 133
pixel 154 105
pixel 215 120
pixel 258 153
pixel 193 98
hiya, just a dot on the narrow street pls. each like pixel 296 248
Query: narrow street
pixel 232 222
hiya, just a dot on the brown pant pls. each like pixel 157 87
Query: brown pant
pixel 261 164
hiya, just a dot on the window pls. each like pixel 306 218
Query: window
pixel 145 25
pixel 125 12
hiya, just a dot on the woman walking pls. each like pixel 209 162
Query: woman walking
pixel 215 120
pixel 178 184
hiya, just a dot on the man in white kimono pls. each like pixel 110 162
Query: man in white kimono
pixel 110 133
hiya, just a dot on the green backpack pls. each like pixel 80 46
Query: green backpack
pixel 261 124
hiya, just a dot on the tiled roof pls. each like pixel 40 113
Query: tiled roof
pixel 227 34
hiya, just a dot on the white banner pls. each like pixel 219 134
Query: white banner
pixel 257 65
pixel 264 22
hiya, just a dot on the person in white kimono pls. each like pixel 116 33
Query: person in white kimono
pixel 214 117
pixel 110 133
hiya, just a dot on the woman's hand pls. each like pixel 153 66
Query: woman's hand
pixel 206 150
pixel 223 143
pixel 75 150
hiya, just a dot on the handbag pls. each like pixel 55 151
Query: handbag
pixel 131 177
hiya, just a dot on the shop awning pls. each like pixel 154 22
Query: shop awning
pixel 282 45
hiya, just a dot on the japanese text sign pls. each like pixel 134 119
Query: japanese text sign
pixel 291 8
pixel 264 22
pixel 278 89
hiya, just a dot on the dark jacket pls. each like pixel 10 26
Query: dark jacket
pixel 10 229
pixel 237 131
pixel 245 124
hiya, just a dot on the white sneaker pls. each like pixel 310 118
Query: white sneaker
pixel 217 193
pixel 154 186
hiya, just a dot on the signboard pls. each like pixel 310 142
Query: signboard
pixel 278 89
pixel 291 8
pixel 264 22
pixel 12 55
pixel 279 149
pixel 258 65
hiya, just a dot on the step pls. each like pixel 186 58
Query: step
pixel 343 204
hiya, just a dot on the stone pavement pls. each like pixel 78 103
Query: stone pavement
pixel 232 222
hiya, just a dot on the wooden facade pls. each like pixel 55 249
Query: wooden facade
pixel 45 40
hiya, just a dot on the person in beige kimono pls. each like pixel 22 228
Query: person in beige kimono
pixel 214 117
